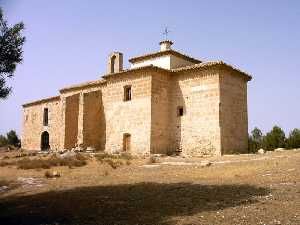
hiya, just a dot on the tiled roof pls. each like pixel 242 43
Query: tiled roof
pixel 211 63
pixel 82 85
pixel 55 98
pixel 163 53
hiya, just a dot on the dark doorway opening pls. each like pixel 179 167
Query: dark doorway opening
pixel 45 141
pixel 126 142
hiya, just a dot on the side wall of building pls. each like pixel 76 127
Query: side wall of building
pixel 160 113
pixel 233 112
pixel 33 127
pixel 197 131
pixel 128 117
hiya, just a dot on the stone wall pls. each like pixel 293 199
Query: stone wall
pixel 234 116
pixel 197 132
pixel 214 102
pixel 128 117
pixel 33 125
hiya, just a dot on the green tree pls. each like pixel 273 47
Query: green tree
pixel 11 43
pixel 3 141
pixel 12 138
pixel 255 140
pixel 274 139
pixel 293 140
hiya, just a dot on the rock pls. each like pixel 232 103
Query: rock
pixel 90 149
pixel 52 174
pixel 261 151
pixel 68 154
pixel 279 149
pixel 205 163
pixel 55 173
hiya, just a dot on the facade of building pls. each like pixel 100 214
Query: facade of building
pixel 165 102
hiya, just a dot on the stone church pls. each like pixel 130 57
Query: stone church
pixel 166 102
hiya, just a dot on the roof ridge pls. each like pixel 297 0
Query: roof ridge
pixel 161 53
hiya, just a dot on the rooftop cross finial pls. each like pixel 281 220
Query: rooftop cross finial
pixel 166 32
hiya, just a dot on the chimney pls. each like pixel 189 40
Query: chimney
pixel 115 62
pixel 165 45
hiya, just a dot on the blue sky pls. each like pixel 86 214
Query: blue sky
pixel 68 42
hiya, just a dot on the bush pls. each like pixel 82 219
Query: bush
pixel 274 139
pixel 114 160
pixel 293 140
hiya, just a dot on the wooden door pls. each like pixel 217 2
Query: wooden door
pixel 126 142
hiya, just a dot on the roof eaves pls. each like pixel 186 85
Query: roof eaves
pixel 209 64
pixel 54 98
pixel 83 85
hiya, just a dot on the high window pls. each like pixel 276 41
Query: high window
pixel 45 117
pixel 127 93
pixel 179 111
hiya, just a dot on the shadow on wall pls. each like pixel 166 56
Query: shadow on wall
pixel 142 203
pixel 94 123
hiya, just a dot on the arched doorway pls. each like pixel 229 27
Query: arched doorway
pixel 45 141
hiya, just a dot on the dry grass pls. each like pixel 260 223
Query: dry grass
pixel 244 189
pixel 26 163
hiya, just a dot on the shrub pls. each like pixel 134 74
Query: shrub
pixel 293 140
pixel 6 163
pixel 114 163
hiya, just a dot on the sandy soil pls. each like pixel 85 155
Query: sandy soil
pixel 240 189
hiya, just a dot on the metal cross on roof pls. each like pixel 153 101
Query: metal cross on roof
pixel 166 32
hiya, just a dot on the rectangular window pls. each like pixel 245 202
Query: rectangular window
pixel 45 117
pixel 127 93
pixel 179 111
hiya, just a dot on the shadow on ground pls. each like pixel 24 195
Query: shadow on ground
pixel 141 203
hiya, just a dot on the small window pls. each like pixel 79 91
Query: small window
pixel 45 120
pixel 127 93
pixel 180 111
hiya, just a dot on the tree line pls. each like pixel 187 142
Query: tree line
pixel 273 139
pixel 10 139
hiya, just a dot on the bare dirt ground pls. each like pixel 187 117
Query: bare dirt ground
pixel 240 189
